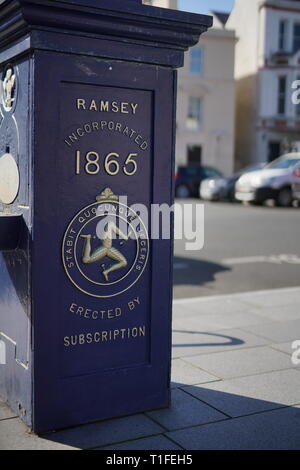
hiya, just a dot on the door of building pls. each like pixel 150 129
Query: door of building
pixel 194 154
pixel 274 150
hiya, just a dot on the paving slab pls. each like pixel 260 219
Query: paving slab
pixel 107 432
pixel 270 298
pixel 211 305
pixel 232 382
pixel 183 373
pixel 150 443
pixel 272 430
pixel 241 363
pixel 284 347
pixel 194 342
pixel 253 394
pixel 185 411
pixel 14 435
pixel 277 332
pixel 280 312
pixel 217 321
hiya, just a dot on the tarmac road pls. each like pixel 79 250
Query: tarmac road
pixel 246 248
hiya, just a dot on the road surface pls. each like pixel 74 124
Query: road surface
pixel 245 248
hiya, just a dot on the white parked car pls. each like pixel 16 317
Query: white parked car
pixel 274 181
pixel 296 185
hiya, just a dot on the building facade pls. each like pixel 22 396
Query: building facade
pixel 267 64
pixel 206 101
pixel 206 98
pixel 162 3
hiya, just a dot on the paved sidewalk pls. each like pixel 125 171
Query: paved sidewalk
pixel 234 385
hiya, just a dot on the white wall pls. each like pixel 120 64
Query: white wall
pixel 272 28
pixel 216 87
pixel 162 3
pixel 244 19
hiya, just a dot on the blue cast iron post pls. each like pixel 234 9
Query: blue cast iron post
pixel 88 91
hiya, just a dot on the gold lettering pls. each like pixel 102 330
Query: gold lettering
pixel 110 314
pixel 73 137
pixel 80 103
pixel 138 140
pixel 114 107
pixel 116 333
pixel 93 105
pixel 142 331
pixel 87 313
pixel 107 335
pixel 104 335
pixel 89 338
pixel 97 335
pixel 104 106
pixel 72 308
pixel 81 339
pixel 124 107
pixel 134 332
pixel 134 107
pixel 80 310
pixel 95 315
pixel 118 312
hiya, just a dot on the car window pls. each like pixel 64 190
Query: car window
pixel 283 164
pixel 211 173
pixel 192 171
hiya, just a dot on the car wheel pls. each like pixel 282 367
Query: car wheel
pixel 182 191
pixel 285 197
pixel 231 196
pixel 256 203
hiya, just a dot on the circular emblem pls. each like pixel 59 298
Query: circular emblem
pixel 9 179
pixel 105 247
pixel 9 88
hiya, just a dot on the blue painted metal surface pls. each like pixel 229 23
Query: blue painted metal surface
pixel 95 109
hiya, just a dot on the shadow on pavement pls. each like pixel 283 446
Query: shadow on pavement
pixel 195 272
pixel 231 340
pixel 200 418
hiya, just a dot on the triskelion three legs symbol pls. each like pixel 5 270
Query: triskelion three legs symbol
pixel 106 249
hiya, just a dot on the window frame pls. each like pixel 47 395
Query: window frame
pixel 197 62
pixel 283 35
pixel 196 118
pixel 296 24
pixel 281 95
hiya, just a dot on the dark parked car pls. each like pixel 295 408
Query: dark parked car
pixel 223 189
pixel 188 179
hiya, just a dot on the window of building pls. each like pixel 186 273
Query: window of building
pixel 281 95
pixel 296 41
pixel 194 116
pixel 283 27
pixel 196 61
pixel 194 154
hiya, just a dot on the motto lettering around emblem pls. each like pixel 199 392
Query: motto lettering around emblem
pixel 105 247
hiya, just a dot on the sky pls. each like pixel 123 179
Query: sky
pixel 203 6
